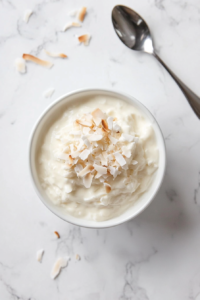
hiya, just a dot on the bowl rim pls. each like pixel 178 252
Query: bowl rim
pixel 97 90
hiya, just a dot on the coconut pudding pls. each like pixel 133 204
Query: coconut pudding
pixel 98 158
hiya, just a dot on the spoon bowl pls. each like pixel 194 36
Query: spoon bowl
pixel 132 30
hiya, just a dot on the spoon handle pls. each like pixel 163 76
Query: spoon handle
pixel 193 99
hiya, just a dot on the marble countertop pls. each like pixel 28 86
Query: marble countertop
pixel 155 256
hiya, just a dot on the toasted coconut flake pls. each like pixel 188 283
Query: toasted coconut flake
pixel 49 93
pixel 78 257
pixel 39 255
pixel 116 127
pixel 86 170
pixel 66 149
pixel 71 161
pixel 63 156
pixel 97 121
pixel 78 168
pixel 134 162
pixel 57 234
pixel 104 158
pixel 98 175
pixel 75 154
pixel 81 14
pixel 120 159
pixel 86 130
pixel 97 115
pixel 84 155
pixel 114 171
pixel 55 54
pixel 36 60
pixel 20 65
pixel 105 125
pixel 127 137
pixel 112 139
pixel 107 187
pixel 72 148
pixel 95 137
pixel 85 123
pixel 101 170
pixel 126 151
pixel 85 141
pixel 70 25
pixel 58 265
pixel 85 38
pixel 68 166
pixel 75 133
pixel 125 167
pixel 87 180
pixel 27 15
pixel 110 122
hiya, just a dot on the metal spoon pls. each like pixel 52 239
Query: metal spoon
pixel 134 32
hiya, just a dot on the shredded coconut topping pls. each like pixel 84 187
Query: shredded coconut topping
pixel 97 151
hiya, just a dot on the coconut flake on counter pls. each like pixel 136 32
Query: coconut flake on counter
pixel 81 13
pixel 85 39
pixel 36 60
pixel 20 65
pixel 57 234
pixel 55 54
pixel 78 257
pixel 49 93
pixel 70 25
pixel 58 265
pixel 39 255
pixel 27 15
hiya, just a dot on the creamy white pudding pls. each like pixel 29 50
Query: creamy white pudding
pixel 98 158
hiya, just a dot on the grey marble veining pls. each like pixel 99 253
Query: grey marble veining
pixel 156 255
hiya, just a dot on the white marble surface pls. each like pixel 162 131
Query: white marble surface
pixel 155 256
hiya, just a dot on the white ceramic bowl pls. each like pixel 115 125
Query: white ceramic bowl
pixel 43 124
